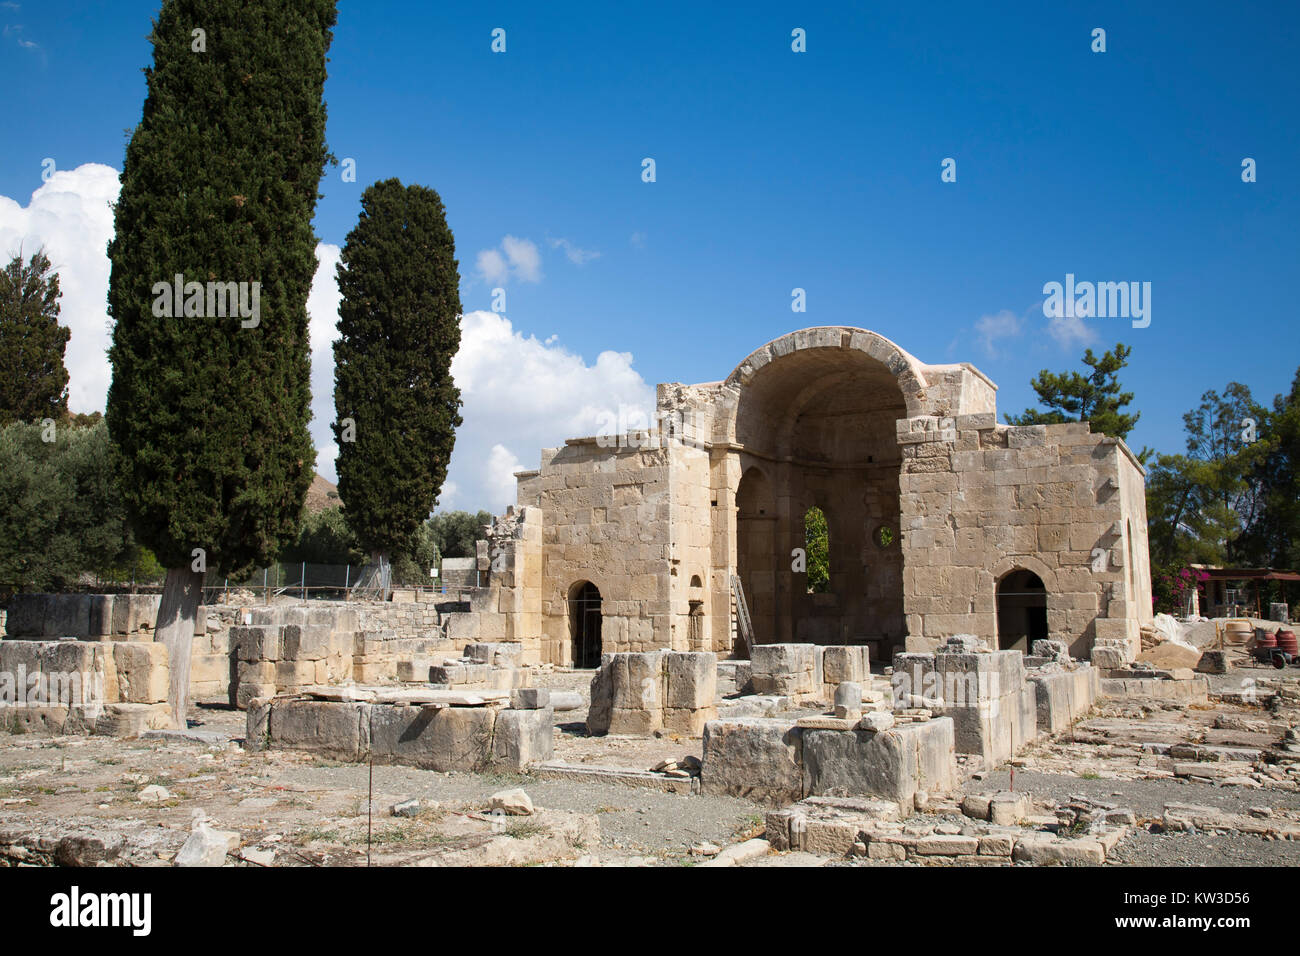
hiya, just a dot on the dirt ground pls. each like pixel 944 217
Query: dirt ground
pixel 296 809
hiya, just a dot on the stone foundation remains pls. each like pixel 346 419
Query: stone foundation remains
pixel 433 730
pixel 657 690
pixel 81 687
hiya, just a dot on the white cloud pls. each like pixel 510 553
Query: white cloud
pixel 322 324
pixel 1004 324
pixel 575 255
pixel 520 394
pixel 525 260
pixel 1071 332
pixel 71 217
pixel 492 266
pixel 516 259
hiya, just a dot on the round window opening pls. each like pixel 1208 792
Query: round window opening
pixel 884 536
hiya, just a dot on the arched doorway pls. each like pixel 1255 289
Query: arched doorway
pixel 1022 610
pixel 584 624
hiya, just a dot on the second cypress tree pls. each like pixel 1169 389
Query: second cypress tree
pixel 397 406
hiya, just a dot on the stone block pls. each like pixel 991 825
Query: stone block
pixel 101 617
pixel 1008 809
pixel 331 728
pixel 688 721
pixel 783 669
pixel 691 679
pixel 635 722
pixel 132 720
pixel 26 616
pixel 523 737
pixel 996 844
pixel 255 672
pixel 256 643
pixel 848 663
pixel 530 698
pixel 756 758
pixel 414 671
pixel 444 739
pixel 638 681
pixel 21 660
pixel 244 693
pixel 1046 850
pixel 142 671
pixel 133 613
pixel 938 844
pixel 602 698
pixel 257 724
pixel 67 615
pixel 1214 662
pixel 290 674
pixel 311 642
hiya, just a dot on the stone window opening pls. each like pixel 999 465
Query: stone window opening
pixel 817 550
pixel 695 606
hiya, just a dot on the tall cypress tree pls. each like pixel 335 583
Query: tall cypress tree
pixel 396 403
pixel 33 380
pixel 208 410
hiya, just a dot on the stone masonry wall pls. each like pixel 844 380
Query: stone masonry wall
pixel 981 499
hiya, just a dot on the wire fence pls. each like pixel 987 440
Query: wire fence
pixel 303 580
pixel 329 582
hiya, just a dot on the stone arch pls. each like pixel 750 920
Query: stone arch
pixel 1009 564
pixel 1021 618
pixel 905 367
pixel 817 412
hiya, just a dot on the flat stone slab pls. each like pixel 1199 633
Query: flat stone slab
pixel 447 698
pixel 826 722
pixel 407 695
pixel 558 770
pixel 337 693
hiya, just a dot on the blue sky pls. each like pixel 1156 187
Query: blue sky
pixel 777 170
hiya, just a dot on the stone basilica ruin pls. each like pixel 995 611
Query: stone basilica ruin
pixel 941 521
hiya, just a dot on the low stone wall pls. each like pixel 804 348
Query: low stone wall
pixel 443 738
pixel 806 671
pixel 83 687
pixel 639 693
pixel 1063 696
pixel 486 666
pixel 983 692
pixel 85 617
pixel 771 760
pixel 998 704
pixel 286 648
pixel 1194 691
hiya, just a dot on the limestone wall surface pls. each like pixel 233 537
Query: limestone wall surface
pixel 83 687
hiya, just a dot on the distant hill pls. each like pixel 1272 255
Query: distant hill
pixel 321 495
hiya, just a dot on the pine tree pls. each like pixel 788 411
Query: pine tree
pixel 1094 397
pixel 208 410
pixel 33 381
pixel 396 403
